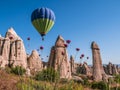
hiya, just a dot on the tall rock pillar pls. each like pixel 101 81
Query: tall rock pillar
pixel 59 58
pixel 98 70
pixel 5 50
pixel 72 64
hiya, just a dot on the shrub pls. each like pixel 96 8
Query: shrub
pixel 117 79
pixel 86 82
pixel 99 85
pixel 48 74
pixel 18 70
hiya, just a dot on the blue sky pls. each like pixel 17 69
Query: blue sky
pixel 81 21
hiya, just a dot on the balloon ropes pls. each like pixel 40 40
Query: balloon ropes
pixel 43 20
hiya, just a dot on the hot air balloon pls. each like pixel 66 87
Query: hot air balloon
pixel 28 38
pixel 77 49
pixel 68 41
pixel 43 20
pixel 41 47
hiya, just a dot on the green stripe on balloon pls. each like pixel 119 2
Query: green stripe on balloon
pixel 43 26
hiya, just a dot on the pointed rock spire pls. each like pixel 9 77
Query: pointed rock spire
pixel 59 42
pixel 59 58
pixel 12 35
pixel 12 49
pixel 34 62
pixel 98 70
pixel 72 64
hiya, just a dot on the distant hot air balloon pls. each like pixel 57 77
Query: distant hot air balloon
pixel 68 41
pixel 82 55
pixel 77 49
pixel 43 20
pixel 28 38
pixel 41 47
pixel 87 57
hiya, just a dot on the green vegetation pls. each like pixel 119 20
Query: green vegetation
pixel 48 74
pixel 48 79
pixel 18 70
pixel 100 85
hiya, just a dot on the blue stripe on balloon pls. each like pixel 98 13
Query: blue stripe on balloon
pixel 43 13
pixel 47 11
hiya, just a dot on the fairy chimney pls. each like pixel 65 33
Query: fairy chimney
pixel 59 58
pixel 5 49
pixel 109 68
pixel 34 62
pixel 86 69
pixel 114 69
pixel 1 41
pixel 72 64
pixel 12 49
pixel 98 70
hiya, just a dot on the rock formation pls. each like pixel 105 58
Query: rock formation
pixel 111 69
pixel 1 42
pixel 115 71
pixel 98 70
pixel 86 69
pixel 12 49
pixel 2 62
pixel 34 62
pixel 59 58
pixel 72 64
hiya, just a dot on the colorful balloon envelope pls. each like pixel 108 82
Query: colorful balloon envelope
pixel 43 20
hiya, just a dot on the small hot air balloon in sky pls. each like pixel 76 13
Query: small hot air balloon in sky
pixel 82 55
pixel 43 20
pixel 87 57
pixel 68 41
pixel 28 38
pixel 77 49
pixel 41 47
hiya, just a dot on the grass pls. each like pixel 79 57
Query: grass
pixel 10 81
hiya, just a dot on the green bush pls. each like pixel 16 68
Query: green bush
pixel 117 79
pixel 99 85
pixel 18 70
pixel 48 74
pixel 86 82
